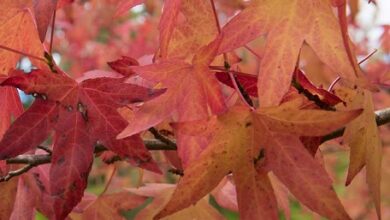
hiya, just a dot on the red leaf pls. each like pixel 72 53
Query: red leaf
pixel 191 91
pixel 10 106
pixel 82 115
pixel 43 11
pixel 289 161
pixel 324 95
pixel 248 82
pixel 123 65
pixel 108 206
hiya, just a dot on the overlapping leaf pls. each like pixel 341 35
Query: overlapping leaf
pixel 18 32
pixel 229 151
pixel 363 139
pixel 185 27
pixel 161 194
pixel 43 11
pixel 239 140
pixel 7 196
pixel 191 91
pixel 82 114
pixel 287 158
pixel 286 31
pixel 107 206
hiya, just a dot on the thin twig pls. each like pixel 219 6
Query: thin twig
pixel 223 69
pixel 237 86
pixel 108 181
pixel 52 31
pixel 162 138
pixel 36 160
pixel 258 57
pixel 382 117
pixel 16 173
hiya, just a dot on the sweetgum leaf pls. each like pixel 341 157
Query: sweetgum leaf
pixel 43 11
pixel 108 206
pixel 230 150
pixel 323 95
pixel 363 139
pixel 249 83
pixel 122 65
pixel 287 158
pixel 286 31
pixel 185 27
pixel 241 139
pixel 23 207
pixel 8 192
pixel 82 114
pixel 10 107
pixel 161 194
pixel 191 89
pixel 307 122
pixel 17 31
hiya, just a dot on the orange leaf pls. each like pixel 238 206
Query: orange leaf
pixel 7 196
pixel 366 147
pixel 17 31
pixel 191 90
pixel 230 150
pixel 107 207
pixel 161 194
pixel 185 27
pixel 287 25
pixel 287 158
pixel 307 122
pixel 43 11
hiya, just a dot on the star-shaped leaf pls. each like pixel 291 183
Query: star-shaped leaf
pixel 82 114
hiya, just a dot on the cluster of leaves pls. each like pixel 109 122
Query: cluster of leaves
pixel 250 138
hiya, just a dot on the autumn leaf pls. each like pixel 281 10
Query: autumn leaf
pixel 238 139
pixel 7 196
pixel 249 83
pixel 107 206
pixel 223 155
pixel 363 139
pixel 287 158
pixel 308 122
pixel 23 207
pixel 18 32
pixel 10 107
pixel 43 11
pixel 161 194
pixel 320 93
pixel 191 91
pixel 185 27
pixel 123 65
pixel 225 194
pixel 82 114
pixel 181 80
pixel 286 31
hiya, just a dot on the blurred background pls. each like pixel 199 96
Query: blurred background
pixel 88 33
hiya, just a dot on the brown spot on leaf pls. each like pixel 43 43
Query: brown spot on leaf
pixel 61 160
pixel 83 110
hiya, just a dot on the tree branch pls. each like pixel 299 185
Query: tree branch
pixel 382 117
